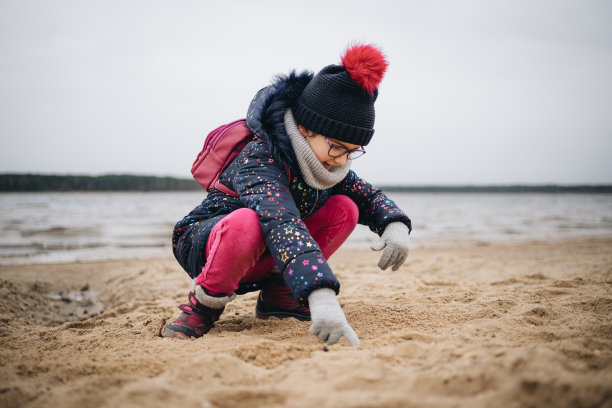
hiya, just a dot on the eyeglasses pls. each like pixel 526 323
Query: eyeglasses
pixel 339 151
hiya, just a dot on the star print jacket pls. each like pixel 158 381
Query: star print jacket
pixel 268 180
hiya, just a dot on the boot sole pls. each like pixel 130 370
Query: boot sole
pixel 262 312
pixel 281 315
pixel 175 335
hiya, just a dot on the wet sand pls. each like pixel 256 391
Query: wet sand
pixel 466 325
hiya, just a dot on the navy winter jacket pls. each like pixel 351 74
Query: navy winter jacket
pixel 268 180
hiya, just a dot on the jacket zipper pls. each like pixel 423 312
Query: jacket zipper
pixel 315 203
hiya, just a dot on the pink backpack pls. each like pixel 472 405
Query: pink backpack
pixel 221 147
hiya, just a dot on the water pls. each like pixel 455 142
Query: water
pixel 67 227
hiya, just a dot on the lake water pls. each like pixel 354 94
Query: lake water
pixel 67 227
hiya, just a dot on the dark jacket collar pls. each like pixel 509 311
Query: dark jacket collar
pixel 265 116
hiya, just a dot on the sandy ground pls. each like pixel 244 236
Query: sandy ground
pixel 467 325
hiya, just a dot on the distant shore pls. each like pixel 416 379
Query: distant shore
pixel 110 182
pixel 13 182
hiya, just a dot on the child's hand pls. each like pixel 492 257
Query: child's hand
pixel 328 320
pixel 395 240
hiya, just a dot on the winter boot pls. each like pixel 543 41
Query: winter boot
pixel 275 299
pixel 197 319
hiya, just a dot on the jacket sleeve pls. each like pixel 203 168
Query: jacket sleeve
pixel 264 187
pixel 376 210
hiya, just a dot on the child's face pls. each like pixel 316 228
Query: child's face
pixel 320 145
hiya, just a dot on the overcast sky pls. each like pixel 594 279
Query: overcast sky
pixel 477 92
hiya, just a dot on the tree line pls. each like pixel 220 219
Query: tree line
pixel 518 188
pixel 109 182
pixel 127 182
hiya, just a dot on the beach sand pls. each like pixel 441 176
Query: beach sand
pixel 465 325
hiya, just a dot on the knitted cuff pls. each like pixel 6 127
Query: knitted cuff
pixel 213 302
pixel 396 231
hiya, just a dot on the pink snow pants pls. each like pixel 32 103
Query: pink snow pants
pixel 235 247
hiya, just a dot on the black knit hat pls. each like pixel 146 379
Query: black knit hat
pixel 339 101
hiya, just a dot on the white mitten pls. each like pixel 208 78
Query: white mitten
pixel 328 320
pixel 395 240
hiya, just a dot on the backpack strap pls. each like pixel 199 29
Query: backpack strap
pixel 222 187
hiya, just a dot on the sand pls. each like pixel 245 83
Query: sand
pixel 466 325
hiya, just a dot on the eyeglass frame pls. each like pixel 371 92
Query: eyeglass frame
pixel 346 151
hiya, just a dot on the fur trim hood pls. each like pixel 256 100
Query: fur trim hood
pixel 265 116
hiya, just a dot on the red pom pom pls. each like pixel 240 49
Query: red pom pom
pixel 366 65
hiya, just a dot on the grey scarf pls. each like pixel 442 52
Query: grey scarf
pixel 315 174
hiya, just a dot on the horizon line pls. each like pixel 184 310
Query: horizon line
pixel 32 182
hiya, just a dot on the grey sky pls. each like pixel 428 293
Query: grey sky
pixel 476 92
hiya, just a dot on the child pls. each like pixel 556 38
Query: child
pixel 297 202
